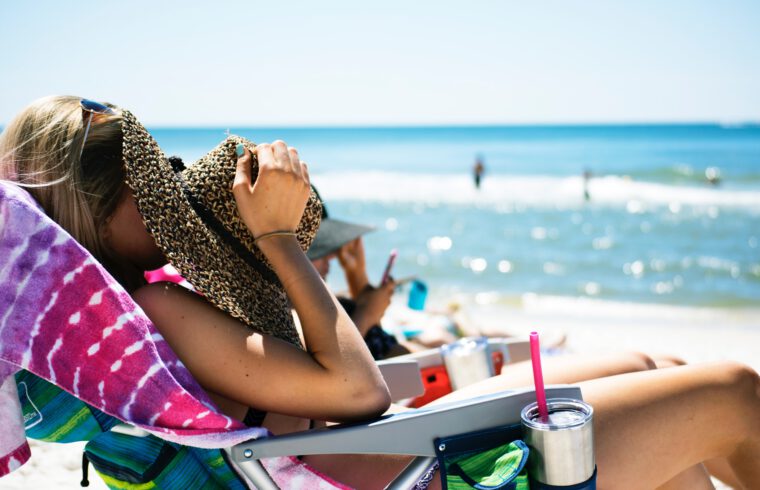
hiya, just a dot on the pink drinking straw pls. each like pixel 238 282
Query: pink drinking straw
pixel 538 376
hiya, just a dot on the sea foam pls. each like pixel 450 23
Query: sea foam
pixel 531 190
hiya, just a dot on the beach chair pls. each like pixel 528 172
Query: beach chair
pixel 69 330
pixel 426 433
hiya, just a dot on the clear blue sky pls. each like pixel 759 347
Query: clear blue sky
pixel 230 63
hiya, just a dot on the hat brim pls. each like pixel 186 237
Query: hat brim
pixel 201 255
pixel 332 235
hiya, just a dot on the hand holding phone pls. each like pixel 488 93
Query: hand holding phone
pixel 388 266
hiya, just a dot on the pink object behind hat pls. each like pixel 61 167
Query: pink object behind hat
pixel 167 273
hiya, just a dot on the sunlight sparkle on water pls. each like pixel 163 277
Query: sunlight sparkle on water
pixel 602 243
pixel 475 264
pixel 592 288
pixel 505 266
pixel 636 268
pixel 439 243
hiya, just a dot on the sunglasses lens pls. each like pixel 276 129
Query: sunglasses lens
pixel 96 107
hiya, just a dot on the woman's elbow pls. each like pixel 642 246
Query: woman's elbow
pixel 370 402
pixel 380 402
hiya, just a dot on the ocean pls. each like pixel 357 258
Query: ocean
pixel 653 230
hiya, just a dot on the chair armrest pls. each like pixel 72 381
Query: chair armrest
pixel 409 433
pixel 425 358
pixel 402 377
pixel 518 348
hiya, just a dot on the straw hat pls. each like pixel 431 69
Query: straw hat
pixel 193 218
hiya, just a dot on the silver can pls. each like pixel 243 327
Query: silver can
pixel 562 446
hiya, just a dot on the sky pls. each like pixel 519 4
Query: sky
pixel 290 63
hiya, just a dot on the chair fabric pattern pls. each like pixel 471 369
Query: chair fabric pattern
pixel 52 415
pixel 65 319
pixel 125 461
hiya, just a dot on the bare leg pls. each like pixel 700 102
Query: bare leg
pixel 667 361
pixel 650 426
pixel 558 370
pixel 367 471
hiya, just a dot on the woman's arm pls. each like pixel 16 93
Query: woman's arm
pixel 354 265
pixel 336 378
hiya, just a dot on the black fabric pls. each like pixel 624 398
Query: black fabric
pixel 590 484
pixel 254 418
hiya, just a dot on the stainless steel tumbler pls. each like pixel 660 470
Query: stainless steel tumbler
pixel 467 361
pixel 562 446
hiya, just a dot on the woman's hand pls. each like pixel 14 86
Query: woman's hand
pixel 276 201
pixel 371 304
pixel 336 377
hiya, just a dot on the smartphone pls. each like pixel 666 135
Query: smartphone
pixel 389 266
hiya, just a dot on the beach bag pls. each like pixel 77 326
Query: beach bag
pixel 486 460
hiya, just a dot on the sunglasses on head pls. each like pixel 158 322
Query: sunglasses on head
pixel 90 108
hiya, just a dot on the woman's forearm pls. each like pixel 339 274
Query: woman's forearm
pixel 331 337
pixel 340 376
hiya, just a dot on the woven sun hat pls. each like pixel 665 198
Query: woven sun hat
pixel 193 218
pixel 333 234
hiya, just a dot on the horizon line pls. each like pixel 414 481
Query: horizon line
pixel 706 123
pixel 744 124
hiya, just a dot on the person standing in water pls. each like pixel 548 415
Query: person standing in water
pixel 712 175
pixel 478 170
pixel 586 179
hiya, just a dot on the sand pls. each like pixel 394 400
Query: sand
pixel 694 334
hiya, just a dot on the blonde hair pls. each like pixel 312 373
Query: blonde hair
pixel 40 150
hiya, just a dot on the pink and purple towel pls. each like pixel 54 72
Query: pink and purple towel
pixel 66 320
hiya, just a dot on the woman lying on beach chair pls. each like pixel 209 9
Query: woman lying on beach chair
pixel 99 174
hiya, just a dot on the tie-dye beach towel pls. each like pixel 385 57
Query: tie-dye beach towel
pixel 66 320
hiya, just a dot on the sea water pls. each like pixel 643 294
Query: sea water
pixel 653 229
